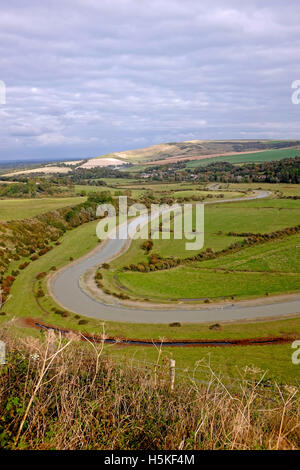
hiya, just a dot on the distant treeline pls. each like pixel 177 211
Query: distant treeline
pixel 94 173
pixel 31 189
pixel 81 176
pixel 283 171
pixel 156 262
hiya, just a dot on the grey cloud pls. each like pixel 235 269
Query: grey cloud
pixel 86 77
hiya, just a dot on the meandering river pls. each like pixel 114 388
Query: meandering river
pixel 66 289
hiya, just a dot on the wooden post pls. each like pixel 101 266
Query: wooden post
pixel 172 373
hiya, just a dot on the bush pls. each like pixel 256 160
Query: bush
pixel 24 265
pixel 41 275
pixel 40 292
pixel 147 245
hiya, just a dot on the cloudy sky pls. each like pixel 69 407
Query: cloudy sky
pixel 87 77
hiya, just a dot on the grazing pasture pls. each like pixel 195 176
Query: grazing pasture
pixel 238 275
pixel 265 156
pixel 13 209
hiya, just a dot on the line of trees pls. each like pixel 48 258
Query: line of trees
pixel 156 262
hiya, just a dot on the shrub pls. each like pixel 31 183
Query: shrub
pixel 24 265
pixel 41 275
pixel 40 292
pixel 147 245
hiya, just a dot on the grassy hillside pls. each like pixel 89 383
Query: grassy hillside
pixel 200 284
pixel 197 148
pixel 16 209
pixel 266 156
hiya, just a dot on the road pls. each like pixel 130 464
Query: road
pixel 66 290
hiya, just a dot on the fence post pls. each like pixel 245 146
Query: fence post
pixel 172 372
pixel 2 353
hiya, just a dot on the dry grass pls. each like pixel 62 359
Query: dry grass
pixel 61 393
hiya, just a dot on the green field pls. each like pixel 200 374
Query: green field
pixel 250 216
pixel 115 191
pixel 265 156
pixel 206 194
pixel 13 209
pixel 222 277
pixel 200 284
pixel 281 188
pixel 281 256
pixel 166 187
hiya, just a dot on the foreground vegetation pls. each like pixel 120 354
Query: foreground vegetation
pixel 61 394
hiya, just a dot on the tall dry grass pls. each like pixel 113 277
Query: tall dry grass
pixel 61 393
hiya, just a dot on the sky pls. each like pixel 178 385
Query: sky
pixel 88 77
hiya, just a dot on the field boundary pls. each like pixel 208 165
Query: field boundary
pixel 263 341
